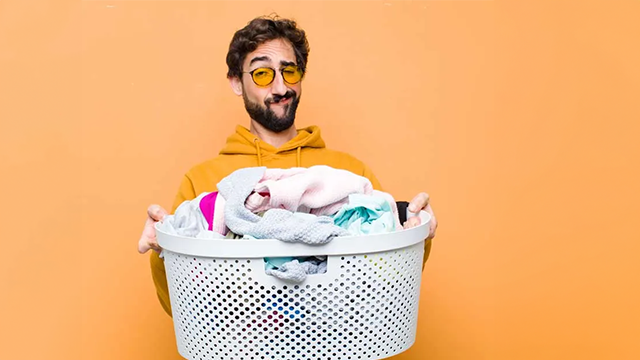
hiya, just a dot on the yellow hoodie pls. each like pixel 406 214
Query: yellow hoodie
pixel 244 149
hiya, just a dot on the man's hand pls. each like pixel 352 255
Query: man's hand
pixel 421 202
pixel 148 239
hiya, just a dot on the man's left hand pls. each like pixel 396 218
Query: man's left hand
pixel 421 202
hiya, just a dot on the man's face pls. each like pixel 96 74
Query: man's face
pixel 272 106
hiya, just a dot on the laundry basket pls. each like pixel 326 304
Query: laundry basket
pixel 225 307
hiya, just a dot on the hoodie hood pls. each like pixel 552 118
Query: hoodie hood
pixel 243 142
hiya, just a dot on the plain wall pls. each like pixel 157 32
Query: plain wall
pixel 520 118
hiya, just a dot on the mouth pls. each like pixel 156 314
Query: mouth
pixel 282 102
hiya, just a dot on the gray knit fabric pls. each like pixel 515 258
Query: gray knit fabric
pixel 296 271
pixel 275 223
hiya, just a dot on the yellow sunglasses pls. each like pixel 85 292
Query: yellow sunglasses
pixel 263 76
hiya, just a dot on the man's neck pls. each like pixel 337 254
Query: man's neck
pixel 274 139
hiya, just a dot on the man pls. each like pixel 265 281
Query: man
pixel 267 61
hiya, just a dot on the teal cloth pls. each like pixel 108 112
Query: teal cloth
pixel 277 262
pixel 365 214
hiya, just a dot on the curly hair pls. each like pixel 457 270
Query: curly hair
pixel 261 30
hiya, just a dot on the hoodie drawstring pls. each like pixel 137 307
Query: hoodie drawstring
pixel 299 157
pixel 255 142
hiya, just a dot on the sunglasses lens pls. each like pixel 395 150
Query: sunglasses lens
pixel 291 74
pixel 263 76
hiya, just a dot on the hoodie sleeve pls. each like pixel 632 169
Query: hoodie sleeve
pixel 374 180
pixel 185 192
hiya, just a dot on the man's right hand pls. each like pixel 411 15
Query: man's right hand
pixel 148 239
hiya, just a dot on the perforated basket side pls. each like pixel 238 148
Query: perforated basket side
pixel 365 307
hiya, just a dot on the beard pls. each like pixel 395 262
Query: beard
pixel 265 116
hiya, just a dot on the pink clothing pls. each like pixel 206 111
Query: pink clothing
pixel 207 204
pixel 218 220
pixel 319 190
pixel 212 207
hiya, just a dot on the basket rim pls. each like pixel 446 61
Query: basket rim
pixel 248 249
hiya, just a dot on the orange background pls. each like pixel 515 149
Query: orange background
pixel 520 118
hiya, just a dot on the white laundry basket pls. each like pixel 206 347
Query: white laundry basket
pixel 225 307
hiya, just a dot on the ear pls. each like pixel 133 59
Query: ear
pixel 236 85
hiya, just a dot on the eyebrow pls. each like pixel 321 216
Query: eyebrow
pixel 259 58
pixel 266 58
pixel 287 63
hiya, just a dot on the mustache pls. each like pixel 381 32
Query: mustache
pixel 277 98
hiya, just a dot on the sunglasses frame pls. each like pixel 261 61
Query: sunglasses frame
pixel 274 71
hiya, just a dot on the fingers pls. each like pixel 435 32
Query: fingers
pixel 148 239
pixel 156 212
pixel 145 245
pixel 433 223
pixel 419 202
pixel 411 222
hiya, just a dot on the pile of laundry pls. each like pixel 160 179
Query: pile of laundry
pixel 309 205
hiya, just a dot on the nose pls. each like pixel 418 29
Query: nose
pixel 278 86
